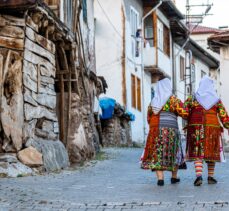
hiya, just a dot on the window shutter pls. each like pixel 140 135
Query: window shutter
pixel 133 91
pixel 139 101
pixel 166 41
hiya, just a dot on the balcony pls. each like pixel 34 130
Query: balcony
pixel 157 59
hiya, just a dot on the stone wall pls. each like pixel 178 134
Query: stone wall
pixel 116 132
pixel 48 92
pixel 28 97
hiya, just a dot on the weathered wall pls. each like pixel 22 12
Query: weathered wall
pixel 38 84
pixel 28 98
pixel 109 46
pixel 12 105
pixel 83 141
pixel 116 132
pixel 224 89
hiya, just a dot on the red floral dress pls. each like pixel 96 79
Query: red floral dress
pixel 163 142
pixel 204 130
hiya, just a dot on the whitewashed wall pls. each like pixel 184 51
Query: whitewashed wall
pixel 202 40
pixel 133 66
pixel 199 66
pixel 109 46
pixel 224 89
pixel 180 85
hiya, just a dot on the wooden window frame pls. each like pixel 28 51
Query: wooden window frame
pixel 160 35
pixel 136 100
pixel 134 22
pixel 163 37
pixel 133 93
pixel 166 36
pixel 139 100
pixel 150 38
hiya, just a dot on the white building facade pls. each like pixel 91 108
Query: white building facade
pixel 130 65
pixel 119 54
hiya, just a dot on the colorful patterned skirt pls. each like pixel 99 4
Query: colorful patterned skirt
pixel 203 142
pixel 162 150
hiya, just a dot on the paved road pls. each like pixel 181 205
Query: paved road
pixel 114 184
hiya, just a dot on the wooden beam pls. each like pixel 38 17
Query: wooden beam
pixel 67 80
pixel 6 20
pixel 31 24
pixel 62 100
pixel 11 43
pixel 66 67
pixel 12 31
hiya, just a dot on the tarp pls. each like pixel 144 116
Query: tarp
pixel 131 115
pixel 107 105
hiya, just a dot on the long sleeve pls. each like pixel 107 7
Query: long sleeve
pixel 180 108
pixel 188 102
pixel 223 115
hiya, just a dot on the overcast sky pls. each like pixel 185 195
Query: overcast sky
pixel 220 11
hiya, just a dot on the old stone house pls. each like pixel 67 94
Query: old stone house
pixel 48 80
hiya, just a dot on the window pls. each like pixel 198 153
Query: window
pixel 182 68
pixel 85 10
pixel 136 92
pixel 149 30
pixel 134 17
pixel 202 73
pixel 69 13
pixel 163 34
pixel 160 35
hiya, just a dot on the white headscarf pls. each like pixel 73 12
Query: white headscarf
pixel 206 94
pixel 163 92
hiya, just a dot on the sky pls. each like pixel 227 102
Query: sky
pixel 220 11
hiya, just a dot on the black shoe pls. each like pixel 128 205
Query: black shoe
pixel 198 181
pixel 211 180
pixel 160 182
pixel 175 180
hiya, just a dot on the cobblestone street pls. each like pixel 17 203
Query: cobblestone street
pixel 116 183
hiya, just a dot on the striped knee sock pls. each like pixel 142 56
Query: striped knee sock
pixel 211 169
pixel 199 168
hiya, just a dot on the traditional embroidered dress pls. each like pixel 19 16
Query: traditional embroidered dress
pixel 204 130
pixel 162 150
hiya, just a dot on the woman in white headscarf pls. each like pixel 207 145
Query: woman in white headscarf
pixel 162 150
pixel 206 113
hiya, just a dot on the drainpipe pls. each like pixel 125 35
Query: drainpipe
pixel 175 67
pixel 142 66
pixel 189 73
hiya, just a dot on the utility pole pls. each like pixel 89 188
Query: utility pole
pixel 192 21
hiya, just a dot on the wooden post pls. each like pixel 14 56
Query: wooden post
pixel 65 61
pixel 69 102
pixel 61 86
